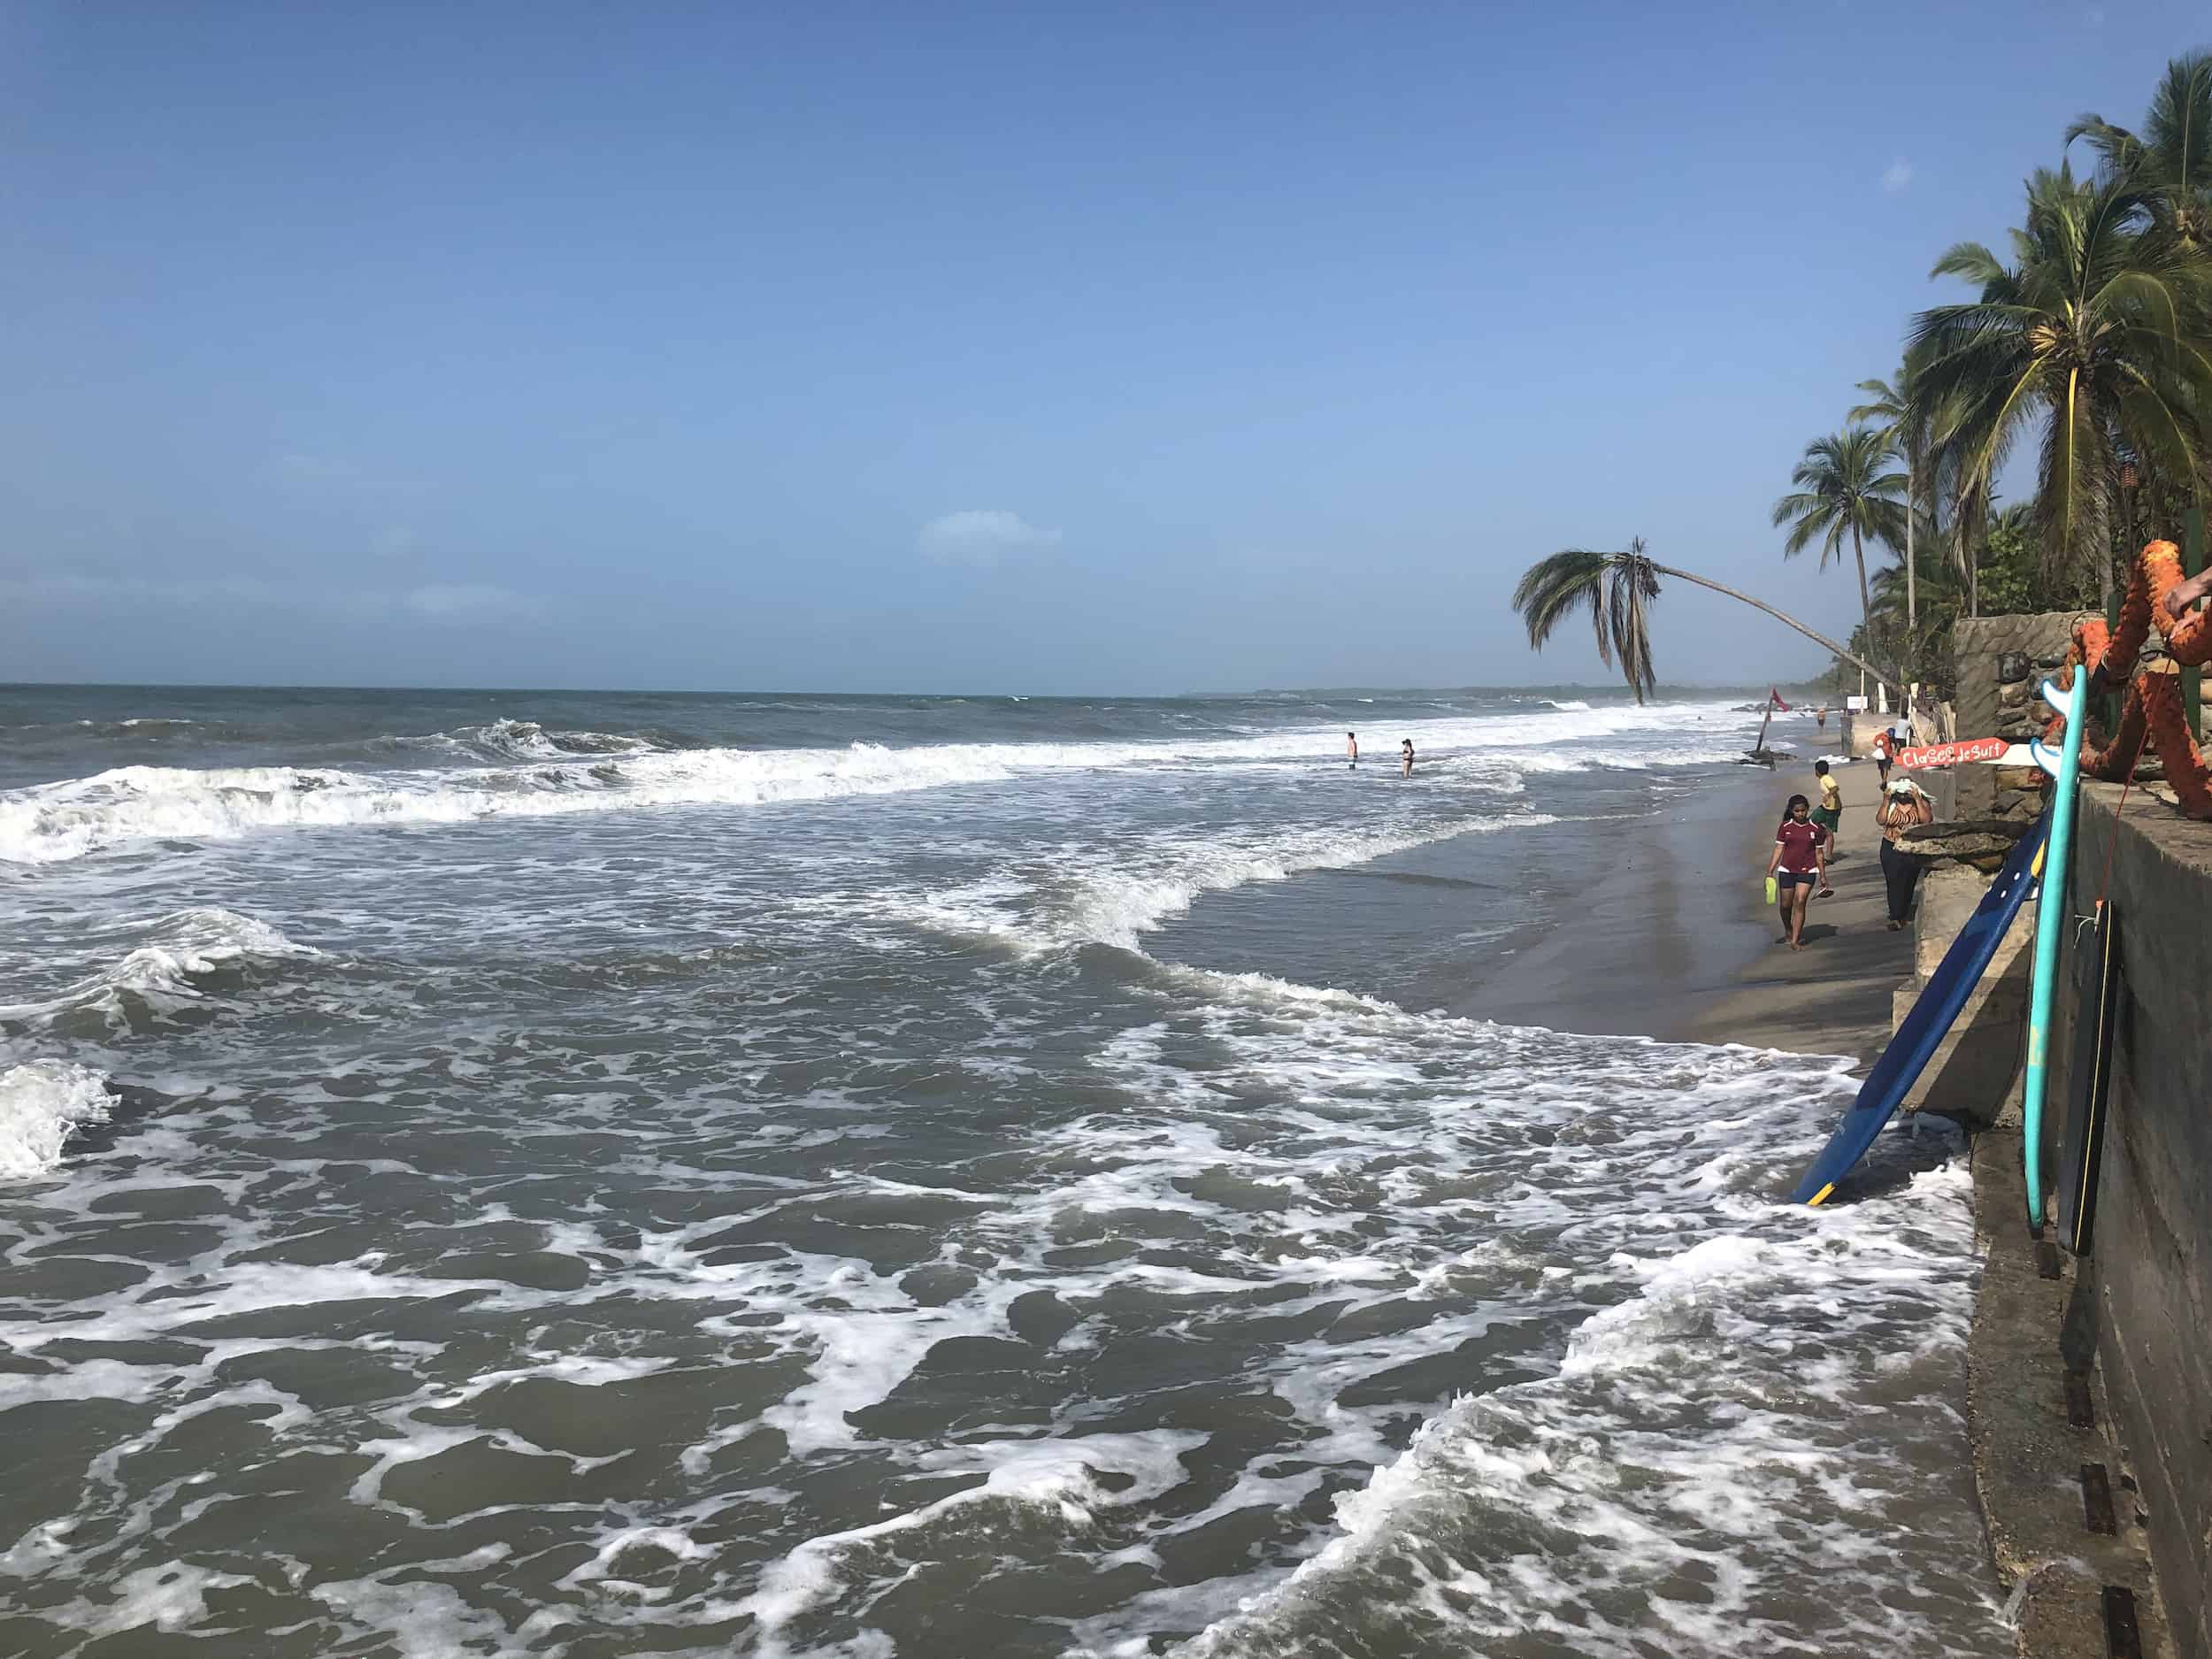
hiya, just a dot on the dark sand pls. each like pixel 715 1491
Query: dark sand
pixel 1678 941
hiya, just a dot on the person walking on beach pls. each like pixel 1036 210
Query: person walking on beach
pixel 1905 806
pixel 1885 748
pixel 1351 748
pixel 1829 816
pixel 1798 866
pixel 1405 755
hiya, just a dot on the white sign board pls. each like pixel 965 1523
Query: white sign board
pixel 1854 704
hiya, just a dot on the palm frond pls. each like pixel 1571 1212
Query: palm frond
pixel 1553 588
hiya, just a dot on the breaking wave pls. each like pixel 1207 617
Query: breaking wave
pixel 42 1104
pixel 1117 899
pixel 1743 1406
pixel 583 771
pixel 172 966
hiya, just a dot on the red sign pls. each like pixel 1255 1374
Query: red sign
pixel 1953 754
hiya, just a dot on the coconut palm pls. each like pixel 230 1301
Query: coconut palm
pixel 1904 428
pixel 2097 332
pixel 1918 614
pixel 1843 492
pixel 1620 589
pixel 2172 157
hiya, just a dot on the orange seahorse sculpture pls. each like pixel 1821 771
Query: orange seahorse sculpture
pixel 2152 706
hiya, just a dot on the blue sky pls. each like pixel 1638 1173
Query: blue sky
pixel 1039 348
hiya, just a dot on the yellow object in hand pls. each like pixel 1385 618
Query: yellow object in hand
pixel 1774 890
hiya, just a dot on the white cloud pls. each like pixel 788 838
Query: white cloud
pixel 466 602
pixel 1897 175
pixel 982 537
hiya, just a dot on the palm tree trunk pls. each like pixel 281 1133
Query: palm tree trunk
pixel 1866 605
pixel 1912 600
pixel 1782 616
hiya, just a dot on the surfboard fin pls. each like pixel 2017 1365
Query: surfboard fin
pixel 2056 698
pixel 2042 756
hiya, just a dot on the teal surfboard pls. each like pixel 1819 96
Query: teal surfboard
pixel 1922 1030
pixel 2050 916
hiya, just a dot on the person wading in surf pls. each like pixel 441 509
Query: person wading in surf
pixel 1405 755
pixel 1799 865
pixel 1351 747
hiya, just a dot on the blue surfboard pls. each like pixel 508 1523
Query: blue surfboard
pixel 1915 1043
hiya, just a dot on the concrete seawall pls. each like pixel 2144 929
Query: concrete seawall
pixel 2149 1276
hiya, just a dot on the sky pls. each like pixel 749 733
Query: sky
pixel 1042 349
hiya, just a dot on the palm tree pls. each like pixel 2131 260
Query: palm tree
pixel 2173 157
pixel 1939 596
pixel 2097 331
pixel 1620 589
pixel 1903 429
pixel 1845 492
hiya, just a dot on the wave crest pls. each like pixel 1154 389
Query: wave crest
pixel 180 953
pixel 42 1104
pixel 563 772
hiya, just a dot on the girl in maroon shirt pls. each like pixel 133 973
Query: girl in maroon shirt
pixel 1799 865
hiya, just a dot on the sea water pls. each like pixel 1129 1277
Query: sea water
pixel 600 1175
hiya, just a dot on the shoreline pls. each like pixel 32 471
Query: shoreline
pixel 1679 937
pixel 1725 980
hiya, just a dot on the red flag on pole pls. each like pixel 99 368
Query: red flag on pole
pixel 1777 698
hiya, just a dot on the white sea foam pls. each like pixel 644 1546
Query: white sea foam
pixel 1714 1459
pixel 730 1264
pixel 165 969
pixel 42 1103
pixel 1114 897
pixel 1059 1477
pixel 70 819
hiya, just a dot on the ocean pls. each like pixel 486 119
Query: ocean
pixel 593 1175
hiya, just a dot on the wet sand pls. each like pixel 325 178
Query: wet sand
pixel 1675 938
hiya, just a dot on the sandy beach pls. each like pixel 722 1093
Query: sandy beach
pixel 1681 936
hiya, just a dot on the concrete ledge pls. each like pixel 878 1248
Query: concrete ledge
pixel 2027 1458
pixel 2152 1269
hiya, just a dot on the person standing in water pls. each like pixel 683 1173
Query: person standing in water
pixel 1799 865
pixel 1351 748
pixel 1405 756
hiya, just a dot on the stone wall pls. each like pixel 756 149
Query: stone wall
pixel 1974 1073
pixel 2152 1264
pixel 2000 663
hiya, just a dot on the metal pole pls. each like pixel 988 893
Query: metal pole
pixel 2192 562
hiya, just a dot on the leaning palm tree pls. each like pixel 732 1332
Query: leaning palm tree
pixel 1843 492
pixel 2172 157
pixel 1620 589
pixel 2097 332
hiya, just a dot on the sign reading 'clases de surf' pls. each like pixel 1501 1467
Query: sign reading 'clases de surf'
pixel 1953 754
